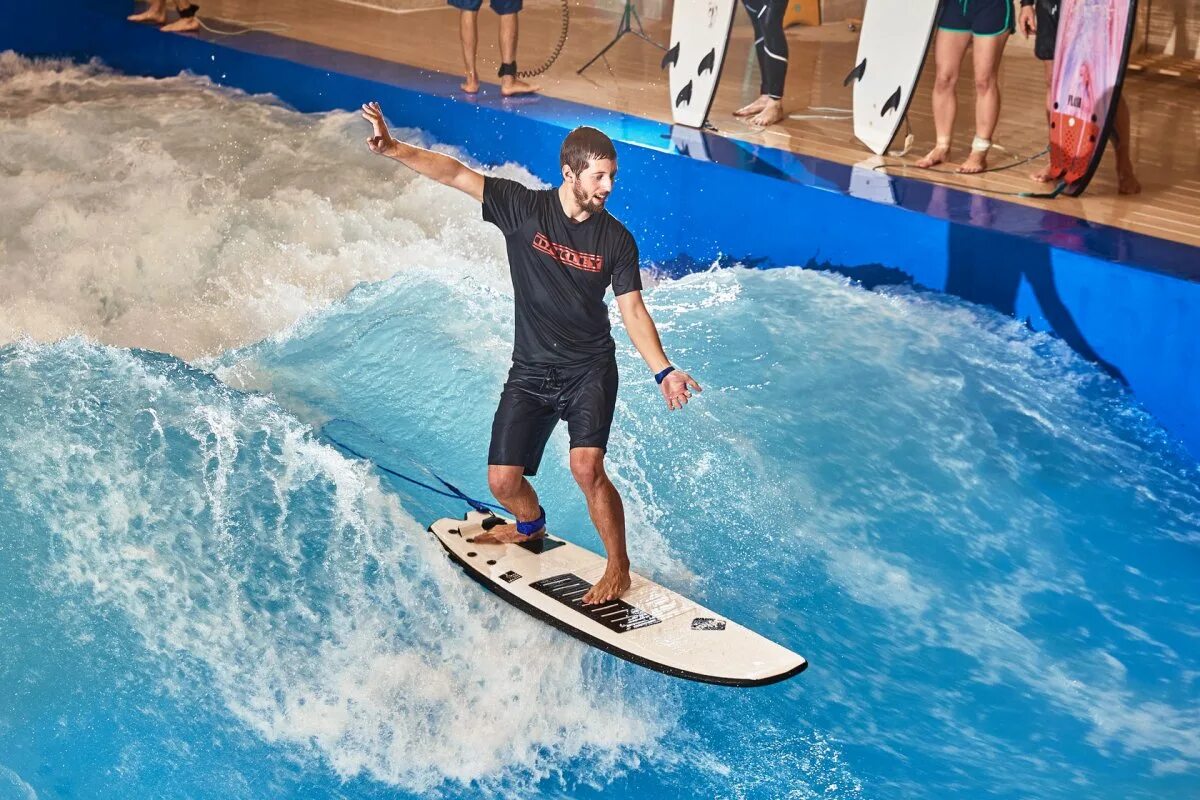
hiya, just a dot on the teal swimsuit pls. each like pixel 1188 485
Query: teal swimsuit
pixel 978 17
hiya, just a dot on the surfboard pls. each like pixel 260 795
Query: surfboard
pixel 1090 57
pixel 892 45
pixel 699 36
pixel 650 625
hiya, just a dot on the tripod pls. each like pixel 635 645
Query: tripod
pixel 628 16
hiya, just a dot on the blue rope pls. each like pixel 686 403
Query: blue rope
pixel 458 494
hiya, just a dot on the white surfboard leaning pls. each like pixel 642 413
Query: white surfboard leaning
pixel 699 36
pixel 650 625
pixel 891 51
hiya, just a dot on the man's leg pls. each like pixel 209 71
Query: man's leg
pixel 509 485
pixel 155 13
pixel 986 55
pixel 468 34
pixel 1127 182
pixel 608 515
pixel 949 47
pixel 511 84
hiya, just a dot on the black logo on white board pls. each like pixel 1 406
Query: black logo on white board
pixel 509 576
pixel 708 624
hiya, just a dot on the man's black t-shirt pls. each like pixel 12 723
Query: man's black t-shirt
pixel 560 271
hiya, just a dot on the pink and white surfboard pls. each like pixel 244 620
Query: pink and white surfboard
pixel 1090 56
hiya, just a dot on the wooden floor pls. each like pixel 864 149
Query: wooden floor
pixel 1165 109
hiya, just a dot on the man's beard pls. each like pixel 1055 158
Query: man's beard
pixel 593 206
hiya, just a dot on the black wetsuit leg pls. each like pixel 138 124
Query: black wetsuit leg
pixel 769 43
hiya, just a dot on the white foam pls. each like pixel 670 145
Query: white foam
pixel 277 579
pixel 212 220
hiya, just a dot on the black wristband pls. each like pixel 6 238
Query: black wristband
pixel 660 376
pixel 508 69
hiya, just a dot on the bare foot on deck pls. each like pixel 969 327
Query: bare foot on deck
pixel 975 163
pixel 470 85
pixel 1044 175
pixel 752 108
pixel 510 86
pixel 1127 183
pixel 182 25
pixel 772 112
pixel 936 156
pixel 505 534
pixel 154 18
pixel 614 583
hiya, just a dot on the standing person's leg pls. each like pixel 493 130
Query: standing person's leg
pixel 1046 173
pixel 774 63
pixel 949 47
pixel 987 51
pixel 756 10
pixel 510 84
pixel 155 13
pixel 468 37
pixel 1127 182
pixel 608 515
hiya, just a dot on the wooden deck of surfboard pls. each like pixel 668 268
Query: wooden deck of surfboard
pixel 650 625
pixel 1165 109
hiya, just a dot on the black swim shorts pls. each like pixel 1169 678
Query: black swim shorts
pixel 535 398
pixel 1047 29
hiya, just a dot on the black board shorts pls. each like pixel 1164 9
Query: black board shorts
pixel 1047 28
pixel 536 397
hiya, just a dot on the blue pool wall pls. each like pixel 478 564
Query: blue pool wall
pixel 1128 301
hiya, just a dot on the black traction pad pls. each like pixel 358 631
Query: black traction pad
pixel 618 616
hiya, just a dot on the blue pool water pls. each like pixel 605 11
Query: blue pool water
pixel 984 548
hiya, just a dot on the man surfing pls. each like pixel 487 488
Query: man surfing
pixel 564 251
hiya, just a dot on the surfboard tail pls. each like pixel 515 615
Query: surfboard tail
pixel 1074 146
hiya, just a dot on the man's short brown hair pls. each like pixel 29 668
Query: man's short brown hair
pixel 582 145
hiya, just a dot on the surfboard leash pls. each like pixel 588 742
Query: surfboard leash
pixel 562 40
pixel 454 493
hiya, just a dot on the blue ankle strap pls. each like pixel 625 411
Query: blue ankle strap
pixel 534 525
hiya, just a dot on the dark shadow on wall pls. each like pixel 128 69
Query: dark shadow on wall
pixel 986 267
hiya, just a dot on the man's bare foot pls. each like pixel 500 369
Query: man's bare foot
pixel 470 85
pixel 154 18
pixel 1044 175
pixel 182 25
pixel 752 108
pixel 975 163
pixel 505 534
pixel 772 112
pixel 937 155
pixel 612 584
pixel 1127 183
pixel 510 86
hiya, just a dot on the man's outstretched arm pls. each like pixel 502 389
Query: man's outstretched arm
pixel 439 167
pixel 677 386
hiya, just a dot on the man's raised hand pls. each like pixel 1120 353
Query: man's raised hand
pixel 380 140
